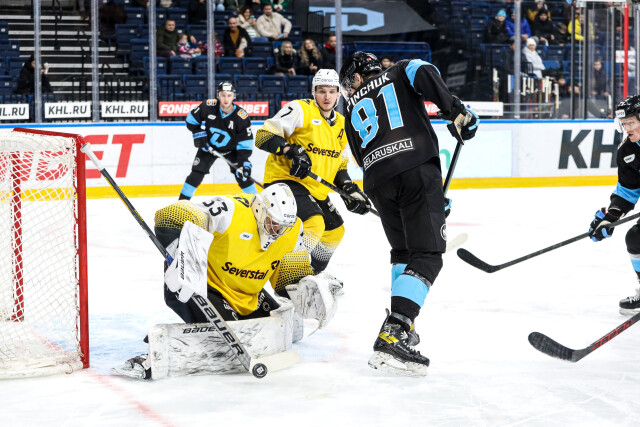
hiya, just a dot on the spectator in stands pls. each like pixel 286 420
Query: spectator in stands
pixel 247 21
pixel 535 9
pixel 525 30
pixel 273 25
pixel 110 15
pixel 578 23
pixel 188 48
pixel 543 28
pixel 310 58
pixel 285 60
pixel 496 31
pixel 236 40
pixel 598 79
pixel 167 39
pixel 562 34
pixel 204 47
pixel 26 79
pixel 329 53
pixel 197 12
pixel 531 55
pixel 386 62
pixel 277 5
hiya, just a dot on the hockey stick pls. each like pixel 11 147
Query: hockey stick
pixel 543 343
pixel 338 190
pixel 470 258
pixel 258 369
pixel 233 165
pixel 453 129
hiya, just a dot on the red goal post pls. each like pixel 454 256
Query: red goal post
pixel 44 325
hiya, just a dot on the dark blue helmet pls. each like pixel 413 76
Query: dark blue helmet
pixel 362 63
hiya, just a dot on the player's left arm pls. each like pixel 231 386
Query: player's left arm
pixel 426 80
pixel 244 144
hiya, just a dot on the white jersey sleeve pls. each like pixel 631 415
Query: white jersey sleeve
pixel 220 211
pixel 288 118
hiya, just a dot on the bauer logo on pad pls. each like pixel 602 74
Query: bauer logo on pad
pixel 246 236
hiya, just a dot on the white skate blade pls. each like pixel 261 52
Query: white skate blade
pixel 456 242
pixel 629 311
pixel 279 361
pixel 386 362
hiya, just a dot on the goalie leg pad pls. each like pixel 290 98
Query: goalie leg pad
pixel 198 349
pixel 316 298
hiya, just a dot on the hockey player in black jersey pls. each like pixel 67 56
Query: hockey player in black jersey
pixel 224 126
pixel 625 196
pixel 391 138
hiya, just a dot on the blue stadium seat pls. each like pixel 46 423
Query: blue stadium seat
pixel 230 65
pixel 139 49
pixel 10 49
pixel 260 40
pixel 14 65
pixel 542 51
pixel 223 77
pixel 6 85
pixel 262 50
pixel 297 84
pixel 272 84
pixel 200 64
pixel 179 65
pixel 180 15
pixel 198 31
pixel 256 65
pixel 4 30
pixel 296 34
pixel 395 50
pixel 550 64
pixel 196 84
pixel 161 66
pixel 289 14
pixel 247 83
pixel 460 8
pixel 170 87
pixel 161 17
pixel 124 34
pixel 135 17
pixel 555 53
pixel 477 23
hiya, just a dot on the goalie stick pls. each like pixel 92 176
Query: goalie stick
pixel 476 262
pixel 552 348
pixel 256 366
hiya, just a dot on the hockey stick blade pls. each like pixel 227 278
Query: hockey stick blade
pixel 552 348
pixel 476 262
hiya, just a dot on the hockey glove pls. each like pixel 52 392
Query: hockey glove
pixel 200 139
pixel 600 228
pixel 358 202
pixel 447 207
pixel 244 172
pixel 300 161
pixel 469 125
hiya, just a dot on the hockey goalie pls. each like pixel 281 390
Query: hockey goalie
pixel 226 249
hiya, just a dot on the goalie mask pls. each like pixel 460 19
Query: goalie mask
pixel 275 210
pixel 628 114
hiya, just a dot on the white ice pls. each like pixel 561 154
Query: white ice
pixel 473 327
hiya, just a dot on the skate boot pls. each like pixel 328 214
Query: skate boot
pixel 414 338
pixel 392 353
pixel 630 305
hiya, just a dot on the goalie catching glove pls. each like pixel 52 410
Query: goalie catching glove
pixel 200 139
pixel 600 228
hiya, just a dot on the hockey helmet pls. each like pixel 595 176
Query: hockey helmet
pixel 628 107
pixel 226 87
pixel 325 77
pixel 275 210
pixel 362 63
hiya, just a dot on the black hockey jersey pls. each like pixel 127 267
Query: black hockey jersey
pixel 387 124
pixel 226 132
pixel 627 191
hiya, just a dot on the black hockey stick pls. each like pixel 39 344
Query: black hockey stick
pixel 258 370
pixel 470 258
pixel 454 131
pixel 338 190
pixel 233 165
pixel 543 343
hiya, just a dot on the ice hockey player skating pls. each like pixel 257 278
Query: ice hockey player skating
pixel 392 139
pixel 627 192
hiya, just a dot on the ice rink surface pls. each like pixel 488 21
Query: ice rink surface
pixel 473 327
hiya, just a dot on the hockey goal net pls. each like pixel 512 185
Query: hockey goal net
pixel 43 275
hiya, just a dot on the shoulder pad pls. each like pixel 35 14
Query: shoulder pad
pixel 212 102
pixel 242 113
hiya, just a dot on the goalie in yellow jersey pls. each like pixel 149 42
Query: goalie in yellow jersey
pixel 308 135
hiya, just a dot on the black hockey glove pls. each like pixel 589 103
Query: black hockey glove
pixel 200 139
pixel 300 161
pixel 469 125
pixel 358 202
pixel 465 119
pixel 447 207
pixel 600 228
pixel 244 172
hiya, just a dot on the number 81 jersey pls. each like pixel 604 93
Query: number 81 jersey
pixel 388 128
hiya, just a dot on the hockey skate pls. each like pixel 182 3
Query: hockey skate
pixel 392 353
pixel 630 305
pixel 137 367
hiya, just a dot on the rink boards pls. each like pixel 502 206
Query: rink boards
pixel 153 159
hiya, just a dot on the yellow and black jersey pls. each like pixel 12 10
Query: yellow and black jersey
pixel 237 266
pixel 301 122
